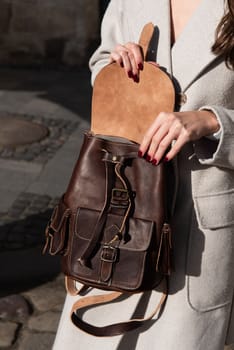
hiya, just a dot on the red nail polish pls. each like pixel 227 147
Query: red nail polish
pixel 165 159
pixel 148 158
pixel 140 66
pixel 130 75
pixel 140 154
pixel 136 78
pixel 154 161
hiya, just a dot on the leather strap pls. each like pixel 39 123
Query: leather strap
pixel 113 164
pixel 116 328
pixel 145 37
pixel 70 285
pixel 84 260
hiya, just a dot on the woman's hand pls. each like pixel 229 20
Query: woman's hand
pixel 130 57
pixel 176 129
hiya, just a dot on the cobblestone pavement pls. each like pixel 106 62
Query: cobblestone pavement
pixel 40 152
pixel 32 178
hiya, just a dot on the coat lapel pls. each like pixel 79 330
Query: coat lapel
pixel 191 52
pixel 157 12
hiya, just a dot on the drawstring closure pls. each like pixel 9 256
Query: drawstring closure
pixel 118 198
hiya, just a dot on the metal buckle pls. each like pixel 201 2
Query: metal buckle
pixel 109 254
pixel 120 197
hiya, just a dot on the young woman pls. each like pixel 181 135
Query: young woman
pixel 195 44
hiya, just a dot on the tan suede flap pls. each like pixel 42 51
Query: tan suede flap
pixel 122 107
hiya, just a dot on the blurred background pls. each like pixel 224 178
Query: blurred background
pixel 45 106
pixel 49 32
pixel 45 103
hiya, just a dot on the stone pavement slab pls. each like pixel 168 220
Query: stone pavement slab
pixel 15 177
pixel 54 178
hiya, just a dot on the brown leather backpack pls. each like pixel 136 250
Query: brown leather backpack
pixel 111 227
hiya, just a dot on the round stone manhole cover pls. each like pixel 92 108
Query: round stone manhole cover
pixel 16 132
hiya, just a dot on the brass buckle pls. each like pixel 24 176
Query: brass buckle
pixel 109 254
pixel 120 197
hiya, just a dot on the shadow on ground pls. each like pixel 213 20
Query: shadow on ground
pixel 22 265
pixel 69 88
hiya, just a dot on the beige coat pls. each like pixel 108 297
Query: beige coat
pixel 198 311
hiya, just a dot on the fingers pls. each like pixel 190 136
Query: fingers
pixel 164 139
pixel 136 56
pixel 129 57
pixel 154 135
pixel 176 147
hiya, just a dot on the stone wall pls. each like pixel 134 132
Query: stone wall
pixel 48 31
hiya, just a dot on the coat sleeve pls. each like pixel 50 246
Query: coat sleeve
pixel 218 153
pixel 111 35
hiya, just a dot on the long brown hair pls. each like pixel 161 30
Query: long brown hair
pixel 224 40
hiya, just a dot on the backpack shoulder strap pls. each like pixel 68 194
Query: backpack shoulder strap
pixel 116 328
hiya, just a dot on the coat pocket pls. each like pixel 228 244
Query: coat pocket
pixel 210 259
pixel 215 211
